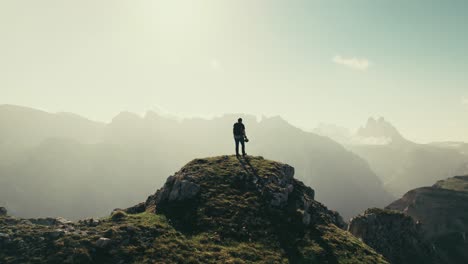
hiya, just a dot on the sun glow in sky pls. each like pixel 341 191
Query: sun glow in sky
pixel 308 61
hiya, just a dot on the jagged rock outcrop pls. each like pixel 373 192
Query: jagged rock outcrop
pixel 443 211
pixel 396 236
pixel 178 189
pixel 214 210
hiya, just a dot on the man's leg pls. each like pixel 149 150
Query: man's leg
pixel 237 146
pixel 243 146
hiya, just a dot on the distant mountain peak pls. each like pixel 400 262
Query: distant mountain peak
pixel 126 116
pixel 381 130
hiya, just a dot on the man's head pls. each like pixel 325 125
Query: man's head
pixel 239 120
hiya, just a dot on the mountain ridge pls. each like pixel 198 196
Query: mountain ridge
pixel 401 164
pixel 131 149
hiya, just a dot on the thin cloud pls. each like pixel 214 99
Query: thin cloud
pixel 354 63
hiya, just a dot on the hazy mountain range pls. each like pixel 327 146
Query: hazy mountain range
pixel 66 165
pixel 401 164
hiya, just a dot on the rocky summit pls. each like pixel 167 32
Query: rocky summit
pixel 214 210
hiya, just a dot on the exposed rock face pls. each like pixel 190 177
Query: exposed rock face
pixel 396 236
pixel 443 211
pixel 178 189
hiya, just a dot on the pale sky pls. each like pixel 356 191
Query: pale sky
pixel 309 61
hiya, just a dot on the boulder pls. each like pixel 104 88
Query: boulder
pixel 178 188
pixel 103 242
pixel 183 190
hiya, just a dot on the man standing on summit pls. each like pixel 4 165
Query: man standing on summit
pixel 239 136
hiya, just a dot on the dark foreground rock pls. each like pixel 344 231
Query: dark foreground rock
pixel 396 236
pixel 214 210
pixel 442 210
pixel 427 225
